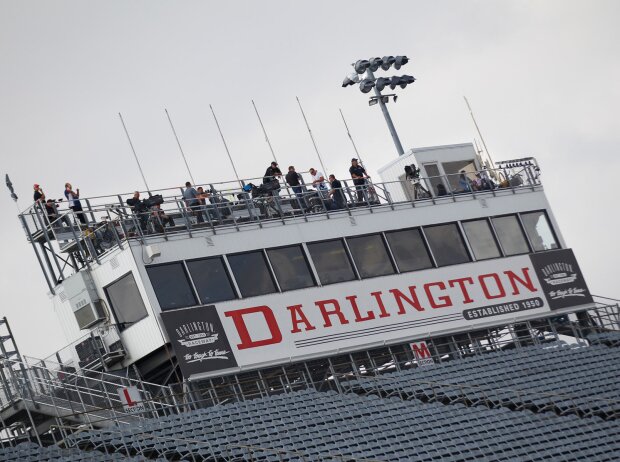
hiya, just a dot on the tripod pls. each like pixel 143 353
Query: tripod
pixel 419 191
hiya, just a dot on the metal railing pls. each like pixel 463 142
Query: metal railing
pixel 111 222
pixel 95 403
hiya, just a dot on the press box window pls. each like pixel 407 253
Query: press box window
pixel 409 250
pixel 446 244
pixel 510 235
pixel 291 267
pixel 539 231
pixel 211 280
pixel 331 261
pixel 126 302
pixel 481 239
pixel 171 286
pixel 370 256
pixel 252 273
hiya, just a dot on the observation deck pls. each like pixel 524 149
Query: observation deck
pixel 63 245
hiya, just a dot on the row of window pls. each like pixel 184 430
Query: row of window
pixel 260 272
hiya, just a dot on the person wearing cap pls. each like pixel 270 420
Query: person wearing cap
pixel 271 173
pixel 39 195
pixel 358 173
pixel 293 179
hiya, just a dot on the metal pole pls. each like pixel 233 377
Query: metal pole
pixel 179 144
pixel 479 132
pixel 351 138
pixel 134 153
pixel 312 137
pixel 265 133
pixel 225 146
pixel 386 114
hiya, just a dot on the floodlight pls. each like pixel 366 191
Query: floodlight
pixel 382 82
pixel 361 65
pixel 385 99
pixel 375 63
pixel 406 80
pixel 366 85
pixel 400 61
pixel 350 80
pixel 386 62
pixel 372 101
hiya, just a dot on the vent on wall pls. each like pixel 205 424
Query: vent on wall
pixel 114 263
pixel 62 296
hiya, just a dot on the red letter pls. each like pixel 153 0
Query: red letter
pixel 326 314
pixel 461 282
pixel 358 317
pixel 242 329
pixel 420 350
pixel 527 283
pixel 298 317
pixel 413 301
pixel 502 292
pixel 384 314
pixel 445 299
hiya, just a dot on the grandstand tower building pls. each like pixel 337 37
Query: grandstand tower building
pixel 283 328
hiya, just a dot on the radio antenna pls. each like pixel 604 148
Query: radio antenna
pixel 134 153
pixel 312 137
pixel 265 133
pixel 225 146
pixel 180 148
pixel 479 133
pixel 351 138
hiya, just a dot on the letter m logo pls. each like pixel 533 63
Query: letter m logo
pixel 422 354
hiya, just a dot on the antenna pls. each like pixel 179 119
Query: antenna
pixel 180 148
pixel 134 153
pixel 225 146
pixel 351 138
pixel 265 133
pixel 312 137
pixel 479 133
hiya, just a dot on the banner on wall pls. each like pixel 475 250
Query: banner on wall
pixel 297 325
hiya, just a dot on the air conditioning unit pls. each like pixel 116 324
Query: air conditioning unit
pixel 85 302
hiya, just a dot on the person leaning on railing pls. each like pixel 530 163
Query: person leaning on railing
pixel 338 199
pixel 360 177
pixel 190 196
pixel 139 208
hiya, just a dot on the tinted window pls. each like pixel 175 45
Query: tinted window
pixel 291 267
pixel 510 235
pixel 370 256
pixel 481 239
pixel 171 285
pixel 446 244
pixel 211 280
pixel 126 301
pixel 252 273
pixel 539 231
pixel 409 250
pixel 331 261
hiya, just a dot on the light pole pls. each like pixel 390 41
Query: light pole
pixel 368 67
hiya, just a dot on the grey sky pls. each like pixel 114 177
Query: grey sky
pixel 542 77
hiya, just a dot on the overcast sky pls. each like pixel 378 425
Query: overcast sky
pixel 542 77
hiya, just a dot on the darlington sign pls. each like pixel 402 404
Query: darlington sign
pixel 280 328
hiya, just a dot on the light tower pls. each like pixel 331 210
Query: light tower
pixel 368 67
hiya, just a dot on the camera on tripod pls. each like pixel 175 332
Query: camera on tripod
pixel 412 172
pixel 152 201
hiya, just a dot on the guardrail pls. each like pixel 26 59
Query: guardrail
pixel 111 222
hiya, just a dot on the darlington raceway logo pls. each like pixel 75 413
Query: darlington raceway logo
pixel 559 274
pixel 199 333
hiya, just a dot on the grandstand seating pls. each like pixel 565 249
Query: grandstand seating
pixel 552 376
pixel 31 452
pixel 385 427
